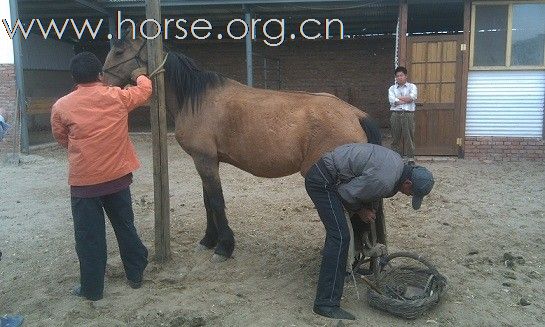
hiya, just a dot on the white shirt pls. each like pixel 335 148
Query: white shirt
pixel 395 91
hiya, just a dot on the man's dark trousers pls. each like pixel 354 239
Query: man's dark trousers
pixel 90 235
pixel 322 190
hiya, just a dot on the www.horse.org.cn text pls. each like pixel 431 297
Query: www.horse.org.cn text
pixel 271 31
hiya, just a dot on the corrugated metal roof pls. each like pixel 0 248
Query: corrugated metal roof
pixel 365 16
pixel 505 103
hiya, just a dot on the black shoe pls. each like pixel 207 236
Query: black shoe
pixel 136 284
pixel 333 312
pixel 77 291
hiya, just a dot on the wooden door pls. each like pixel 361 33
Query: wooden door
pixel 435 67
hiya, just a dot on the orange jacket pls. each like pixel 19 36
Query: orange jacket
pixel 92 122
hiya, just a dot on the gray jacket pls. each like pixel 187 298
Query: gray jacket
pixel 364 173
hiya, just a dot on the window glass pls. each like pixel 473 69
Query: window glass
pixel 490 35
pixel 528 35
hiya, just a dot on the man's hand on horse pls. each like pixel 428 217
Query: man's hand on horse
pixel 137 72
pixel 367 215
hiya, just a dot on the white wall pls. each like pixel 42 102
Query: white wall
pixel 6 45
pixel 505 103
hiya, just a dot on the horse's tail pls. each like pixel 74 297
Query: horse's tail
pixel 371 129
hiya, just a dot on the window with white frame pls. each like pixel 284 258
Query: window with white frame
pixel 508 35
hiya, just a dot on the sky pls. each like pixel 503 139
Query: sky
pixel 6 55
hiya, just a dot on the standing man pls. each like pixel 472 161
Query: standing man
pixel 4 127
pixel 354 175
pixel 402 96
pixel 92 122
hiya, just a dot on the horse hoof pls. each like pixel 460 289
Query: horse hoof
pixel 216 258
pixel 201 248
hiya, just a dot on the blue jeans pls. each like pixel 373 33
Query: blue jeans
pixel 322 190
pixel 90 235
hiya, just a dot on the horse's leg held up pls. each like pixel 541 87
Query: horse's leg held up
pixel 222 235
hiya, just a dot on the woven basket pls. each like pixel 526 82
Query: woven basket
pixel 407 291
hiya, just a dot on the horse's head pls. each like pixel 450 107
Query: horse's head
pixel 127 54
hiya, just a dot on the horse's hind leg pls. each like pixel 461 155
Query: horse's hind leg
pixel 218 232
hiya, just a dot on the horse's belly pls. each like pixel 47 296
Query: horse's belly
pixel 261 163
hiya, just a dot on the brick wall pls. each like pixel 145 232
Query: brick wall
pixel 7 104
pixel 358 71
pixel 505 148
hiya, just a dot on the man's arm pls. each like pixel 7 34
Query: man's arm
pixel 59 129
pixel 413 95
pixel 394 101
pixel 360 192
pixel 136 96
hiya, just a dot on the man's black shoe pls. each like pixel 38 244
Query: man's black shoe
pixel 77 292
pixel 135 284
pixel 333 312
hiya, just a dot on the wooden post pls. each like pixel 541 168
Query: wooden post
pixel 112 29
pixel 159 137
pixel 249 48
pixel 21 106
pixel 402 37
pixel 466 48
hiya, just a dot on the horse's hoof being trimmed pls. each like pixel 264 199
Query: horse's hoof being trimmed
pixel 216 258
pixel 200 248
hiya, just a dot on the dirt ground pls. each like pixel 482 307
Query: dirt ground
pixel 476 213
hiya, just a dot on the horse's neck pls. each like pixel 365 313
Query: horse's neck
pixel 172 103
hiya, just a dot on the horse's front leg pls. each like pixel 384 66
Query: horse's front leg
pixel 210 239
pixel 218 232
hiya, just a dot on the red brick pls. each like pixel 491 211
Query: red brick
pixel 509 149
pixel 7 102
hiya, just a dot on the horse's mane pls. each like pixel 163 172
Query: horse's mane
pixel 188 81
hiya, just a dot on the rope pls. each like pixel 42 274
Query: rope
pixel 159 69
pixel 355 284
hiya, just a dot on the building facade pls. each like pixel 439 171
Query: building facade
pixel 479 65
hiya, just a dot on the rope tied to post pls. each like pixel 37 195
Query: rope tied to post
pixel 159 69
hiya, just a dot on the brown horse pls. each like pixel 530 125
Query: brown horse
pixel 266 133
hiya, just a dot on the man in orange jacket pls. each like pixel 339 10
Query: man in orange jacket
pixel 92 122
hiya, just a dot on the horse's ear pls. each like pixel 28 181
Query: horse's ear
pixel 132 32
pixel 128 33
